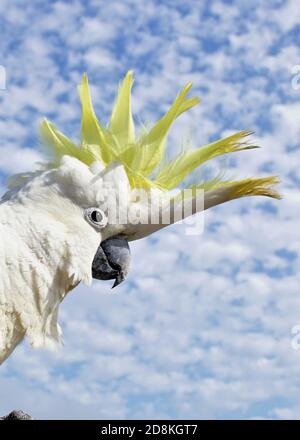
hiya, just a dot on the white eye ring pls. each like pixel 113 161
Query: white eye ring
pixel 95 217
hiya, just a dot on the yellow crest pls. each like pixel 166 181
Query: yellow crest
pixel 142 156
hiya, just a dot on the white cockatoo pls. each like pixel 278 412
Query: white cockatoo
pixel 71 219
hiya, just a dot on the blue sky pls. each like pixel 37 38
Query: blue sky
pixel 202 327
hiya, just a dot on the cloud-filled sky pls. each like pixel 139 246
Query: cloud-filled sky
pixel 202 327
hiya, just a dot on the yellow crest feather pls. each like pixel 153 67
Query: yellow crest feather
pixel 141 157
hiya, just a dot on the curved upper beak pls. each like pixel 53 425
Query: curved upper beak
pixel 112 260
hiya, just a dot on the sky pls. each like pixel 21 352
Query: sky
pixel 204 327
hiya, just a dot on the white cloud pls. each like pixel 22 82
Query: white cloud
pixel 287 16
pixel 16 160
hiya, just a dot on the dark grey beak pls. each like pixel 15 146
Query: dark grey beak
pixel 112 260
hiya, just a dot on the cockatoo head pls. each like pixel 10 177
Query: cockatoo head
pixel 72 219
pixel 106 174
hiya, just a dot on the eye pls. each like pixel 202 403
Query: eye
pixel 96 217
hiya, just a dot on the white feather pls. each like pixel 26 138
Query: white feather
pixel 46 249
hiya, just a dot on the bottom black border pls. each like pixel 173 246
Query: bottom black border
pixel 107 429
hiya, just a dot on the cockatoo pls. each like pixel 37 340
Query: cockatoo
pixel 71 219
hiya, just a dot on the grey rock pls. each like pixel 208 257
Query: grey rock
pixel 17 415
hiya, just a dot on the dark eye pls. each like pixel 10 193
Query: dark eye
pixel 96 217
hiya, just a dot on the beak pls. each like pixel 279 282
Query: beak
pixel 112 260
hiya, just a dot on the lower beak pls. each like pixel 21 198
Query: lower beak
pixel 112 260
